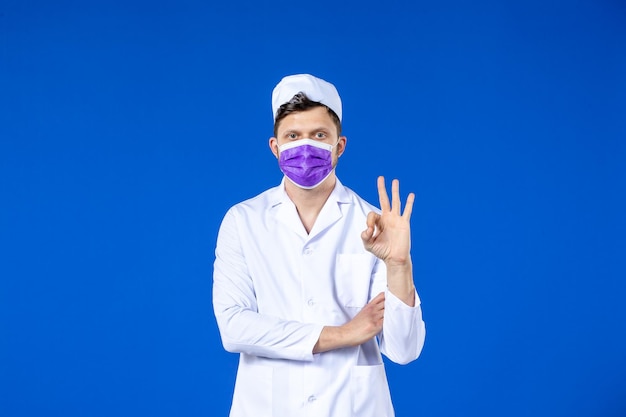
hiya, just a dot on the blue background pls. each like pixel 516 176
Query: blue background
pixel 128 128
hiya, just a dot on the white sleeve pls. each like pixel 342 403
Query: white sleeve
pixel 404 330
pixel 242 327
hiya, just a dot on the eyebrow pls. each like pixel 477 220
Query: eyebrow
pixel 287 132
pixel 299 132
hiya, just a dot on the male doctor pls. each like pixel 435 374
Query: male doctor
pixel 311 282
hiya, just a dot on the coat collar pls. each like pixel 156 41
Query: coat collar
pixel 284 210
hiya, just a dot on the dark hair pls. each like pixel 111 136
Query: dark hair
pixel 300 102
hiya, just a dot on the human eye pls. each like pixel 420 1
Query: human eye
pixel 320 135
pixel 291 135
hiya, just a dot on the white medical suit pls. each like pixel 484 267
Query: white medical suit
pixel 275 287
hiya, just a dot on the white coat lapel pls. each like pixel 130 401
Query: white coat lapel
pixel 285 212
pixel 332 210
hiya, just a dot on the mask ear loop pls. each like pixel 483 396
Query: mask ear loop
pixel 333 146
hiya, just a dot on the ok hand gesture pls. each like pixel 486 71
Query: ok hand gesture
pixel 388 235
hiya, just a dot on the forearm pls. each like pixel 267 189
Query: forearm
pixel 400 281
pixel 337 337
pixel 364 326
pixel 331 337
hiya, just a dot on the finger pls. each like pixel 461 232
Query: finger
pixel 395 196
pixel 408 209
pixel 382 194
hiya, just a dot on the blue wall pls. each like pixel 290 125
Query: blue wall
pixel 127 129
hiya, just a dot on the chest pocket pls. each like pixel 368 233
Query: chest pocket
pixel 352 276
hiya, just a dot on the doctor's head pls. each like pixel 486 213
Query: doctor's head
pixel 307 111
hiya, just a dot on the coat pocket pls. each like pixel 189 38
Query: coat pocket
pixel 353 275
pixel 370 392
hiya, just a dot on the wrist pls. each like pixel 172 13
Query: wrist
pixel 399 265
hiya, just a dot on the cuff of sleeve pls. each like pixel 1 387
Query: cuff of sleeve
pixel 403 329
pixel 394 303
pixel 312 341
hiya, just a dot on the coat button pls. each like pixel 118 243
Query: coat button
pixel 312 398
pixel 308 251
pixel 311 302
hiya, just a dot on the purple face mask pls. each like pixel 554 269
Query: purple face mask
pixel 306 162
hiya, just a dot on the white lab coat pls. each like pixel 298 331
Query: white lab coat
pixel 275 287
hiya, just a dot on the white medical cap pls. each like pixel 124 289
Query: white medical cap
pixel 315 89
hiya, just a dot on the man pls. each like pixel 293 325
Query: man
pixel 311 282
